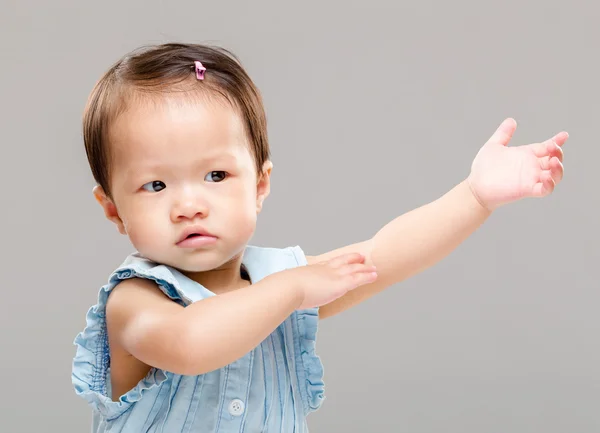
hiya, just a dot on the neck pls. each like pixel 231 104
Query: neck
pixel 225 278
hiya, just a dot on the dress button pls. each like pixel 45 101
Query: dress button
pixel 236 407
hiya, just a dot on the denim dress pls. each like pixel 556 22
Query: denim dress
pixel 270 389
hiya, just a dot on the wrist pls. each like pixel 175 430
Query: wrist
pixel 472 192
pixel 290 285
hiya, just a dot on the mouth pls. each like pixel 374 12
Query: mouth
pixel 194 236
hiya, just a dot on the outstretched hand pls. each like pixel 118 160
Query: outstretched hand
pixel 502 174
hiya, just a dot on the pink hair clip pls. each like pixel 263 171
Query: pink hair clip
pixel 199 70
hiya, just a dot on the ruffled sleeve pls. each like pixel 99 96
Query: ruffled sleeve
pixel 91 363
pixel 308 364
pixel 311 373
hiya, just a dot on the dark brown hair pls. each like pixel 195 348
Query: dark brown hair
pixel 168 68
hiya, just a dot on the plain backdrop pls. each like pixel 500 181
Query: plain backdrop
pixel 374 108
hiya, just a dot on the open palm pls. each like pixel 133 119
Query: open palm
pixel 502 174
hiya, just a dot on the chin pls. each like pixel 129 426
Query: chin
pixel 202 262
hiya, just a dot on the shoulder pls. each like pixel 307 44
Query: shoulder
pixel 132 297
pixel 135 287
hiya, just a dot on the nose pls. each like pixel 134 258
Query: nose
pixel 189 206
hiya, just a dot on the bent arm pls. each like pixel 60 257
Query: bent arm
pixel 203 336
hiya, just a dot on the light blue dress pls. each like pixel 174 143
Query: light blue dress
pixel 271 389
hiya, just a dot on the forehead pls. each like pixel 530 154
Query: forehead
pixel 175 128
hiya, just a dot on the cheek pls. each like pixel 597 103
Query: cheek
pixel 137 232
pixel 248 225
pixel 142 226
pixel 243 210
pixel 242 195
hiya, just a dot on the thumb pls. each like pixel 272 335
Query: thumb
pixel 504 132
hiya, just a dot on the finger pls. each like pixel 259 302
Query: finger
pixel 545 186
pixel 553 166
pixel 556 170
pixel 356 268
pixel 504 133
pixel 548 148
pixel 346 259
pixel 554 152
pixel 361 278
pixel 560 138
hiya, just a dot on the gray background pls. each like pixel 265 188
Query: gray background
pixel 374 108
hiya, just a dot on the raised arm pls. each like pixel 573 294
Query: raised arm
pixel 420 238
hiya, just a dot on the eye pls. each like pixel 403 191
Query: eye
pixel 154 186
pixel 216 176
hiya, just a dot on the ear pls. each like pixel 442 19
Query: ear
pixel 263 187
pixel 110 210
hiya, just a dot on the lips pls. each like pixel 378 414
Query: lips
pixel 195 235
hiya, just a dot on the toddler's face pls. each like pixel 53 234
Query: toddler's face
pixel 183 168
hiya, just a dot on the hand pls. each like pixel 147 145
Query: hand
pixel 322 283
pixel 502 174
